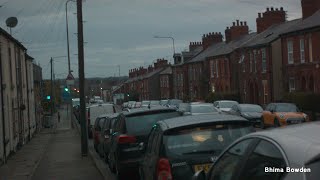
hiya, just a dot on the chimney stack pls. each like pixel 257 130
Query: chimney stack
pixel 269 18
pixel 211 38
pixel 236 31
pixel 309 7
pixel 194 45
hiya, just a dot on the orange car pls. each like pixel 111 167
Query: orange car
pixel 279 114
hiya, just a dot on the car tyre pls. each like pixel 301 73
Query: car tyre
pixel 262 125
pixel 276 123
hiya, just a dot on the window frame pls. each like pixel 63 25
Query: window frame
pixel 290 52
pixel 264 60
pixel 292 89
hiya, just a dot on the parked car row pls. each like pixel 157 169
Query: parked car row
pixel 126 106
pixel 201 141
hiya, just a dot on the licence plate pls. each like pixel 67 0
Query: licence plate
pixel 200 167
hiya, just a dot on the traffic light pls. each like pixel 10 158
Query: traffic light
pixel 48 97
pixel 66 89
pixel 128 95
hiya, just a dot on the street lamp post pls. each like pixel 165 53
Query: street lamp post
pixel 168 37
pixel 67 27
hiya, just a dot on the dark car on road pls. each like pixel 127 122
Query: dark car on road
pixel 128 134
pixel 180 146
pixel 104 144
pixel 252 112
pixel 289 153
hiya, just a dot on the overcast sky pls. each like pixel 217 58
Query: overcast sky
pixel 120 32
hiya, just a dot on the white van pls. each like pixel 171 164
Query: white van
pixel 94 111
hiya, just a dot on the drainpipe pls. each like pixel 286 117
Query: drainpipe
pixel 2 109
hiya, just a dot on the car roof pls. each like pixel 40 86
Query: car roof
pixel 145 109
pixel 111 115
pixel 199 119
pixel 201 104
pixel 104 104
pixel 226 101
pixel 300 142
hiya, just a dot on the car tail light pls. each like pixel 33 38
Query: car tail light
pixel 124 139
pixel 164 170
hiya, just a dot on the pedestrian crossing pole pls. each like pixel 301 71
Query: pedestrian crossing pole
pixel 83 121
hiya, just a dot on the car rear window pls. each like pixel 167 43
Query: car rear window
pixel 142 124
pixel 208 139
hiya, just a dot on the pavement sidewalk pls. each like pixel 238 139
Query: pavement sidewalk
pixel 23 163
pixel 53 154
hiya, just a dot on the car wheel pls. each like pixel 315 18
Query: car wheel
pixel 276 123
pixel 262 125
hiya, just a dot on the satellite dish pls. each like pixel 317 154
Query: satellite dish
pixel 12 22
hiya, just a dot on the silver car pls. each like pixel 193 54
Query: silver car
pixel 290 153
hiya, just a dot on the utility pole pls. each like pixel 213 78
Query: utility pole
pixel 83 121
pixel 51 84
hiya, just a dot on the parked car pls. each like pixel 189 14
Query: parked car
pixel 94 111
pixel 96 131
pixel 104 146
pixel 124 105
pixel 164 102
pixel 145 103
pixel 129 131
pixel 180 146
pixel 202 108
pixel 174 103
pixel 131 104
pixel 224 105
pixel 252 112
pixel 269 155
pixel 137 105
pixel 280 114
pixel 154 103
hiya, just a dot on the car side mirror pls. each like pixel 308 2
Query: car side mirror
pixel 200 175
pixel 142 146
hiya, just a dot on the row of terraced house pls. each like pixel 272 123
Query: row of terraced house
pixel 280 57
pixel 20 96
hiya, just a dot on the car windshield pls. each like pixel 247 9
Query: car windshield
pixel 142 124
pixel 204 140
pixel 251 108
pixel 203 109
pixel 286 108
pixel 227 104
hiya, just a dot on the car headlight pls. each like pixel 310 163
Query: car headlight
pixel 281 116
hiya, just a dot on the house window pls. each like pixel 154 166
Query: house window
pixel 302 55
pixel 255 60
pixel 194 73
pixel 292 85
pixel 250 61
pixel 190 74
pixel 310 49
pixel 217 68
pixel 264 60
pixel 290 52
pixel 212 68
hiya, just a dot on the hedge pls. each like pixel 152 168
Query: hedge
pixel 305 101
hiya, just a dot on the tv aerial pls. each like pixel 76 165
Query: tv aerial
pixel 11 23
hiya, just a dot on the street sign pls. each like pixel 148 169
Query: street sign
pixel 70 80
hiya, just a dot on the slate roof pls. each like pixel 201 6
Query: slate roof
pixel 5 33
pixel 168 70
pixel 206 53
pixel 308 23
pixel 148 75
pixel 271 34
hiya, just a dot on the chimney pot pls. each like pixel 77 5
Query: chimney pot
pixel 267 9
pixel 245 23
pixel 281 8
pixel 259 15
pixel 237 22
pixel 277 9
pixel 228 27
pixel 234 23
pixel 241 23
pixel 271 8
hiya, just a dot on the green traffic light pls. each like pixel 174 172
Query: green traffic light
pixel 48 97
pixel 66 89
